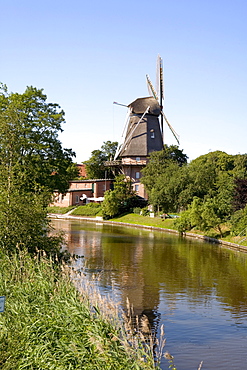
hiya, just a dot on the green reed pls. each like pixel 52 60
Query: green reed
pixel 49 324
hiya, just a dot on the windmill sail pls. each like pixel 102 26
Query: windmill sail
pixel 158 94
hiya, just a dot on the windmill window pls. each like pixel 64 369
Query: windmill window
pixel 136 187
pixel 152 135
pixel 137 175
pixel 138 159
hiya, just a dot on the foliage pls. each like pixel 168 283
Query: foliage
pixel 164 178
pixel 29 147
pixel 240 194
pixel 91 209
pixel 95 167
pixel 203 214
pixel 49 324
pixel 239 222
pixel 120 200
pixel 183 223
pixel 211 187
pixel 33 164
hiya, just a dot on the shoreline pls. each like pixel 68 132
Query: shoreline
pixel 234 246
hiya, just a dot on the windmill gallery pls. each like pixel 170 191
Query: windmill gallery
pixel 143 134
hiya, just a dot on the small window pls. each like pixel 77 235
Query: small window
pixel 152 135
pixel 137 175
pixel 138 159
pixel 77 198
pixel 136 188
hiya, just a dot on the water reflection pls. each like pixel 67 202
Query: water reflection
pixel 198 290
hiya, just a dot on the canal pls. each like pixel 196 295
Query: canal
pixel 198 290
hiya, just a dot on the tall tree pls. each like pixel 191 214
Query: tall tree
pixel 164 177
pixel 95 167
pixel 32 165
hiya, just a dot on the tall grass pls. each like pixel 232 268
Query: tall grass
pixel 49 324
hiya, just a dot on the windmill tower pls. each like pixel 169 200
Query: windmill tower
pixel 143 132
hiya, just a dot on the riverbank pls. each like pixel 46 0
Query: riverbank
pixel 50 322
pixel 158 224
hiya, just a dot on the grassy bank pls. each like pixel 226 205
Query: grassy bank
pixel 133 218
pixel 49 324
pixel 170 224
pixel 59 210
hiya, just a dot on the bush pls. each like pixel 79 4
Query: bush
pixel 145 211
pixel 137 210
pixel 183 223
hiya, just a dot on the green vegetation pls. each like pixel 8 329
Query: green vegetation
pixel 120 200
pixel 133 218
pixel 49 324
pixel 207 192
pixel 59 210
pixel 33 164
pixel 91 209
pixel 95 167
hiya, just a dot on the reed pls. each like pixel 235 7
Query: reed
pixel 51 321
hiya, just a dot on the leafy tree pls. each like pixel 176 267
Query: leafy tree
pixel 32 165
pixel 95 167
pixel 240 194
pixel 120 200
pixel 158 162
pixel 29 145
pixel 239 222
pixel 164 178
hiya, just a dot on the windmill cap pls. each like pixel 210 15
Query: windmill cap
pixel 140 105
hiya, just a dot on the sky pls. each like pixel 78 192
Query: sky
pixel 88 54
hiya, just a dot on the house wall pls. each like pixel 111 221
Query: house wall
pixel 91 188
pixel 131 168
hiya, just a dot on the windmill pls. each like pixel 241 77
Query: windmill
pixel 158 94
pixel 143 133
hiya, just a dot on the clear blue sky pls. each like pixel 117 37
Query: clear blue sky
pixel 87 54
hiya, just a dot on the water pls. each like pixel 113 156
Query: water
pixel 196 289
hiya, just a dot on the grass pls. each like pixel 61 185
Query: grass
pixel 91 209
pixel 133 218
pixel 48 323
pixel 60 210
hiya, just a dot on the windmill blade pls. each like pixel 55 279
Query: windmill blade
pixel 159 79
pixel 123 134
pixel 151 88
pixel 171 128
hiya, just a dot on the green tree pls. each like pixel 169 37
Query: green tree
pixel 120 200
pixel 29 145
pixel 164 178
pixel 32 165
pixel 95 167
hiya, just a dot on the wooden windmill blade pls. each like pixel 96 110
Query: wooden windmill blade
pixel 158 94
pixel 171 128
pixel 159 80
